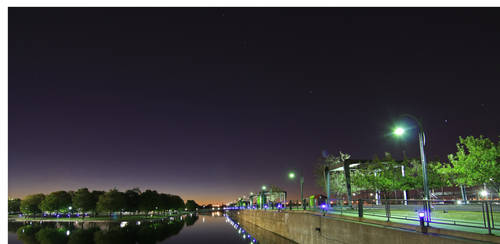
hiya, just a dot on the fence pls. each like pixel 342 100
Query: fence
pixel 453 214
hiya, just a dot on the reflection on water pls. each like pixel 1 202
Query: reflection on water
pixel 203 228
pixel 150 231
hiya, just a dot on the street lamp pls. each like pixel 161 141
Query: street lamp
pixel 262 196
pixel 291 175
pixel 399 131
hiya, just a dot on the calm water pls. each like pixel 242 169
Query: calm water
pixel 203 228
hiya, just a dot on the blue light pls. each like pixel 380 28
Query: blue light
pixel 323 206
pixel 421 214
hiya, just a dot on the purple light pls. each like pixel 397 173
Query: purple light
pixel 323 206
pixel 265 206
pixel 421 214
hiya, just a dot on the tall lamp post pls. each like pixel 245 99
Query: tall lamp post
pixel 262 197
pixel 421 139
pixel 291 175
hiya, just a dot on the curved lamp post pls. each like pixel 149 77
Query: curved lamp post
pixel 421 139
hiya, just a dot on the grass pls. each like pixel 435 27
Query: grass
pixel 90 219
pixel 469 221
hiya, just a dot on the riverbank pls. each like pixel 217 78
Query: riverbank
pixel 312 227
pixel 96 219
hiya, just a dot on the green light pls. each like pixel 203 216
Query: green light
pixel 264 188
pixel 291 175
pixel 399 131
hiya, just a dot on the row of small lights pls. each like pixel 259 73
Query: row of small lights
pixel 241 231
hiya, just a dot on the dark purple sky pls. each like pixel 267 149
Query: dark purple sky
pixel 212 103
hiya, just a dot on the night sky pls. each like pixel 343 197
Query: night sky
pixel 212 103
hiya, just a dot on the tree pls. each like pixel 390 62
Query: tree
pixel 83 200
pixel 177 203
pixel 338 185
pixel 476 162
pixel 275 188
pixel 436 178
pixel 148 201
pixel 191 205
pixel 382 175
pixel 57 202
pixel 111 201
pixel 95 199
pixel 165 201
pixel 14 205
pixel 132 198
pixel 30 204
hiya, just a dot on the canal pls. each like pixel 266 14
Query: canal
pixel 212 227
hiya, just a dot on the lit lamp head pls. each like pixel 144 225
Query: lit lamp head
pixel 421 214
pixel 264 188
pixel 291 175
pixel 484 193
pixel 399 131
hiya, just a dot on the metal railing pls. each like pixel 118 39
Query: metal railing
pixel 471 214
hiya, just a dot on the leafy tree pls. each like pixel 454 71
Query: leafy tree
pixel 338 186
pixel 177 203
pixel 14 205
pixel 191 205
pixel 476 162
pixel 83 200
pixel 58 201
pixel 30 204
pixel 95 198
pixel 165 202
pixel 133 198
pixel 383 175
pixel 148 201
pixel 414 179
pixel 111 201
pixel 275 188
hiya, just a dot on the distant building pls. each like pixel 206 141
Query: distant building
pixel 267 197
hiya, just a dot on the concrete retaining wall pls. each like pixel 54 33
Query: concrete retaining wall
pixel 314 228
